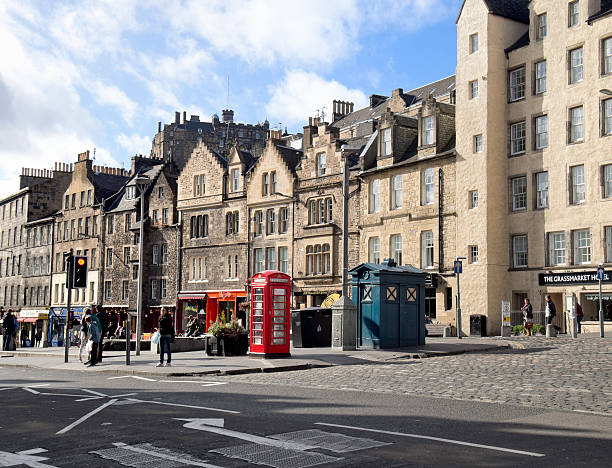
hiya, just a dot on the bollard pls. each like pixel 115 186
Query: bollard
pixel 447 332
pixel 551 331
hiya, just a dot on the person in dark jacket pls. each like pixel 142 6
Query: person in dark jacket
pixel 551 310
pixel 527 310
pixel 8 330
pixel 166 330
pixel 104 322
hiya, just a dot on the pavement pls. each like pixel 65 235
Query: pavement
pixel 198 363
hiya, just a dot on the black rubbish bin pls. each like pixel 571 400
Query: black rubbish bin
pixel 311 327
pixel 478 325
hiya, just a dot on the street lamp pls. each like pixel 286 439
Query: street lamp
pixel 606 91
pixel 142 182
pixel 345 197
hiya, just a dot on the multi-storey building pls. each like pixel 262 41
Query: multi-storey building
pixel 534 139
pixel 177 140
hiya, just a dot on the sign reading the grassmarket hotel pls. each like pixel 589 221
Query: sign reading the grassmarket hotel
pixel 565 279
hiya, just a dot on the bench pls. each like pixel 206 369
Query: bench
pixel 435 329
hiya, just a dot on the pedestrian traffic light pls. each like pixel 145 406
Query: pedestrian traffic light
pixel 79 278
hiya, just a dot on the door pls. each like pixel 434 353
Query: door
pixel 279 326
pixel 368 327
pixel 391 318
pixel 409 316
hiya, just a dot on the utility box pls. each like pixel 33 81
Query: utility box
pixel 311 327
pixel 478 325
pixel 390 302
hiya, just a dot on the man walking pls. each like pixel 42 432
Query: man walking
pixel 551 310
pixel 8 329
pixel 103 321
pixel 94 338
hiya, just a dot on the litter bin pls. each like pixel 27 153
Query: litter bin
pixel 311 327
pixel 478 325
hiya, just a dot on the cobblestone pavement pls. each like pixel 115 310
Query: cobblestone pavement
pixel 557 373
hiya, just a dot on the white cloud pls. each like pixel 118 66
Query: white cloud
pixel 110 95
pixel 134 143
pixel 301 93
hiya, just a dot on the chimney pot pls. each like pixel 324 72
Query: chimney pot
pixel 177 118
pixel 184 116
pixel 158 127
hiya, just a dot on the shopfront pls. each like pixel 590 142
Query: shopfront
pixel 57 324
pixel 32 327
pixel 210 305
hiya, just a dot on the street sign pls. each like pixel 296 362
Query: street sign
pixel 458 267
pixel 600 273
pixel 506 322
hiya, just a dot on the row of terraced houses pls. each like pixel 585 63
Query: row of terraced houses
pixel 508 163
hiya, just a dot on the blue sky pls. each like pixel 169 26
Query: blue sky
pixel 84 75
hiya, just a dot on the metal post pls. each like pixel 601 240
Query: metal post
pixel 140 272
pixel 458 307
pixel 601 320
pixel 68 260
pixel 128 343
pixel 345 236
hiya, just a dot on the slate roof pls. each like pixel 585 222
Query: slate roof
pixel 122 203
pixel 521 42
pixel 291 156
pixel 388 269
pixel 247 158
pixel 437 88
pixel 517 10
pixel 106 185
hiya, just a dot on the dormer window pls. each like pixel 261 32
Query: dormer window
pixel 386 147
pixel 320 164
pixel 428 130
pixel 130 192
pixel 235 180
pixel 274 180
pixel 265 190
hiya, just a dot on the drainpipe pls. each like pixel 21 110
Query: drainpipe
pixel 440 234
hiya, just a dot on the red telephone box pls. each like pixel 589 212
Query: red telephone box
pixel 270 318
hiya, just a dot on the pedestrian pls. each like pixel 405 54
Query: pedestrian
pixel 551 310
pixel 103 319
pixel 38 337
pixel 527 310
pixel 84 338
pixel 166 330
pixel 8 329
pixel 579 316
pixel 93 335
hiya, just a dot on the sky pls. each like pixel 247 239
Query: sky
pixel 77 76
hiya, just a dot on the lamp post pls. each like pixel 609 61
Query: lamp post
pixel 600 277
pixel 345 237
pixel 458 267
pixel 141 181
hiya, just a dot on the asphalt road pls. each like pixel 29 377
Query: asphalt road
pixel 74 419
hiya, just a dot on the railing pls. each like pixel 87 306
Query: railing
pixel 516 317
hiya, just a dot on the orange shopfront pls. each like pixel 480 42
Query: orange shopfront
pixel 209 305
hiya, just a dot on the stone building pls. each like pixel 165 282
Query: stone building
pixel 177 140
pixel 534 141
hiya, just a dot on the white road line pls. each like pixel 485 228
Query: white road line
pixel 27 389
pixel 212 384
pixel 89 398
pixel 87 416
pixel 33 451
pixel 38 385
pixel 7 388
pixel 188 462
pixel 132 377
pixel 122 395
pixel 437 439
pixel 183 406
pixel 592 412
pixel 181 381
pixel 69 394
pixel 93 392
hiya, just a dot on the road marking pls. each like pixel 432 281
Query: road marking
pixel 7 388
pixel 71 395
pixel 122 395
pixel 212 384
pixel 118 454
pixel 32 451
pixel 26 457
pixel 201 425
pixel 182 406
pixel 87 416
pixel 592 412
pixel 93 392
pixel 181 381
pixel 27 389
pixel 437 439
pixel 132 377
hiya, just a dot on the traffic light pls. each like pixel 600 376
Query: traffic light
pixel 79 278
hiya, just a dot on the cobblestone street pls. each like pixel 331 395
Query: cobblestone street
pixel 560 373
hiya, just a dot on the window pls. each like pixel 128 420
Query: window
pixel 325 259
pixel 89 197
pixel 473 199
pixel 517 138
pixel 396 248
pixel 606 56
pixel 387 147
pixel 541 180
pixel 573 14
pixel 235 180
pixel 265 184
pixel 110 224
pixel 396 194
pixel 320 164
pixel 374 250
pixel 72 230
pixel 258 218
pixel 270 258
pixel 270 221
pixel 199 185
pixel 82 198
pixel 258 260
pixel 274 180
pixel 95 226
pixel 541 26
pixel 72 202
pixel 519 251
pixel 155 254
pixel 108 289
pixel 541 132
pixel 578 185
pixel 582 247
pixel 427 249
pixel 517 84
pixel 232 223
pixel 283 259
pixel 576 125
pixel 375 196
pixel 519 193
pixel 540 77
pixel 155 216
pixel 125 290
pixel 608 235
pixel 319 211
pixel 165 218
pixel 126 255
pixel 606 117
pixel 607 180
pixel 473 85
pixel 92 264
pixel 428 130
pixel 66 203
pixel 283 215
pixel 317 259
pixel 126 225
pixel 163 283
pixel 473 254
pixel 477 143
pixel 428 186
pixel 575 58
pixel 109 257
pixel 154 288
pixel 199 226
pixel 164 251
pixel 473 43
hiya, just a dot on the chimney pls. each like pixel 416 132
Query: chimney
pixel 397 92
pixel 376 99
pixel 227 115
pixel 340 109
pixel 177 118
pixel 184 116
pixel 310 131
pixel 158 127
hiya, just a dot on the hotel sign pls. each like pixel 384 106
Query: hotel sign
pixel 566 279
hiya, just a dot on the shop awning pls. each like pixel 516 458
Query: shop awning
pixel 192 297
pixel 27 319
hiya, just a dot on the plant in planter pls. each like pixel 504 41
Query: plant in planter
pixel 538 329
pixel 228 338
pixel 519 330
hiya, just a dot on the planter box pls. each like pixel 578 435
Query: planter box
pixel 227 346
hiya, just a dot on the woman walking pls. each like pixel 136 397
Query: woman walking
pixel 83 336
pixel 166 330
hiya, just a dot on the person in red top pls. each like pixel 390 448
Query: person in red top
pixel 579 316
